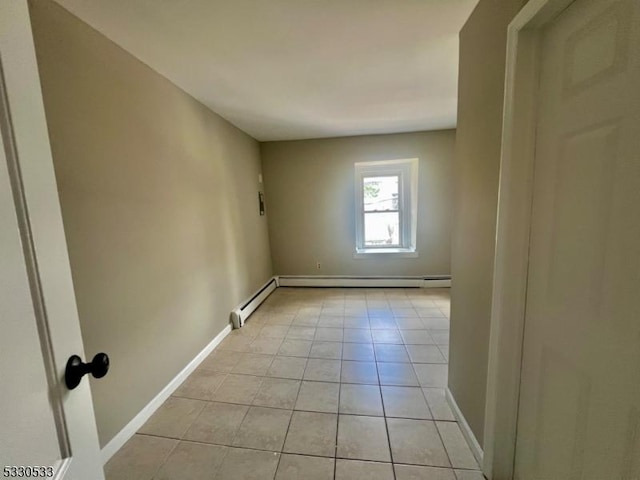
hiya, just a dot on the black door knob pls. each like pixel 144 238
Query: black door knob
pixel 76 369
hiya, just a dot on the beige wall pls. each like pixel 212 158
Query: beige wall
pixel 476 171
pixel 159 200
pixel 310 200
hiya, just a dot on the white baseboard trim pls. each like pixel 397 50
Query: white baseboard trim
pixel 362 281
pixel 247 307
pixel 475 447
pixel 134 425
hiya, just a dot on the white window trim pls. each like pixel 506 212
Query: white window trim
pixel 407 170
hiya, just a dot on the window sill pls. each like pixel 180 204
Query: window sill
pixel 386 252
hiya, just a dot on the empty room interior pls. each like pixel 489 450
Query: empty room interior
pixel 317 240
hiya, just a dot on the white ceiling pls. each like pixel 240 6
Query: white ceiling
pixel 293 69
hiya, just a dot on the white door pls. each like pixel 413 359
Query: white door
pixel 579 412
pixel 46 430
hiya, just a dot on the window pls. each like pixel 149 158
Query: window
pixel 386 207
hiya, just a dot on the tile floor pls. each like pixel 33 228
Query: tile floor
pixel 319 384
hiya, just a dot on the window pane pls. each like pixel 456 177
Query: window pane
pixel 380 193
pixel 382 229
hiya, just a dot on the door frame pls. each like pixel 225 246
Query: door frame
pixel 515 196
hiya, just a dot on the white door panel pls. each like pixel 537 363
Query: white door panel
pixel 42 423
pixel 579 413
pixel 25 407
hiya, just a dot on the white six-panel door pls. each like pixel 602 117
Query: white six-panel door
pixel 579 411
pixel 42 424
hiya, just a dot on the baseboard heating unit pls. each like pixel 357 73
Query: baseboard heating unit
pixel 241 313
pixel 364 281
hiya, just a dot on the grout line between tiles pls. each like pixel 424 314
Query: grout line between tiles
pixel 446 451
pixel 335 447
pixel 384 412
pixel 164 460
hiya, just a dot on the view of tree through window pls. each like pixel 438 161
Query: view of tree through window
pixel 381 211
